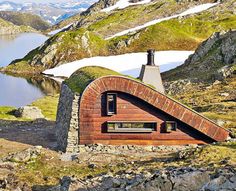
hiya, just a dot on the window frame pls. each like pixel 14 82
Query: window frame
pixel 131 129
pixel 115 103
pixel 173 126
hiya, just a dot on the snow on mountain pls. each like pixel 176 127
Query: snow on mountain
pixel 51 12
pixel 58 30
pixel 192 10
pixel 121 4
pixel 128 64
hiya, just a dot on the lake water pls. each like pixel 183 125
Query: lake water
pixel 17 91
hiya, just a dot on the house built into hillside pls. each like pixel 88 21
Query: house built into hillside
pixel 114 109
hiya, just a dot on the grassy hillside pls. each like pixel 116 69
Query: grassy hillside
pixel 218 101
pixel 213 60
pixel 25 19
pixel 87 38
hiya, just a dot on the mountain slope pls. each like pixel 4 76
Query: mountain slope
pixel 86 37
pixel 25 19
pixel 206 81
pixel 52 12
pixel 7 28
pixel 213 60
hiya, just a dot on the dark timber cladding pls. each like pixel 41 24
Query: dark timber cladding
pixel 138 105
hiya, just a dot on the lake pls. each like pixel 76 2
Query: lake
pixel 18 91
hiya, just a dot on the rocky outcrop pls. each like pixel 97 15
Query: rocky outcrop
pixel 170 179
pixel 8 178
pixel 214 59
pixel 29 112
pixel 23 156
pixel 99 6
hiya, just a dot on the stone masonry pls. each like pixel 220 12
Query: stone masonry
pixel 67 126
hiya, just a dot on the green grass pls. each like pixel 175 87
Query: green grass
pixel 81 78
pixel 182 34
pixel 22 67
pixel 35 172
pixel 209 156
pixel 6 113
pixel 209 101
pixel 228 117
pixel 48 106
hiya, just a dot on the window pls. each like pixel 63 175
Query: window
pixel 134 127
pixel 170 126
pixel 111 103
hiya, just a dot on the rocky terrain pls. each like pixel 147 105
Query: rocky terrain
pixel 8 28
pixel 99 167
pixel 206 81
pixel 25 19
pixel 214 59
pixel 87 36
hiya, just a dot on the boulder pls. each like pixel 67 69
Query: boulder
pixel 29 112
pixel 25 155
pixel 190 181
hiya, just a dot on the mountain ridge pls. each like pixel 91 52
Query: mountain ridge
pixel 8 28
pixel 25 19
pixel 50 12
pixel 85 38
pixel 214 59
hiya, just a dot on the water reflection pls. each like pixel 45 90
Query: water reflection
pixel 17 46
pixel 18 91
pixel 47 85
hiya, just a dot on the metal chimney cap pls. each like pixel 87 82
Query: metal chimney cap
pixel 151 51
pixel 151 57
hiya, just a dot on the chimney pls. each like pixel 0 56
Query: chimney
pixel 150 73
pixel 151 57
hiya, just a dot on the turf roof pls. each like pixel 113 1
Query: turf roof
pixel 79 80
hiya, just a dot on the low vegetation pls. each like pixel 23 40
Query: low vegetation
pixel 215 101
pixel 82 77
pixel 47 169
pixel 6 112
pixel 47 104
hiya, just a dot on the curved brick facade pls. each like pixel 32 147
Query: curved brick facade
pixel 90 123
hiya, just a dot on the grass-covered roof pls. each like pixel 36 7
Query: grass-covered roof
pixel 79 80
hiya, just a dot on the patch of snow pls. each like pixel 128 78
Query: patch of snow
pixel 128 64
pixel 192 10
pixel 121 4
pixel 58 30
pixel 55 17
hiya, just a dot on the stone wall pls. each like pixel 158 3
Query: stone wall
pixel 67 125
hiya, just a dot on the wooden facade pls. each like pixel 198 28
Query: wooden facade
pixel 136 102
